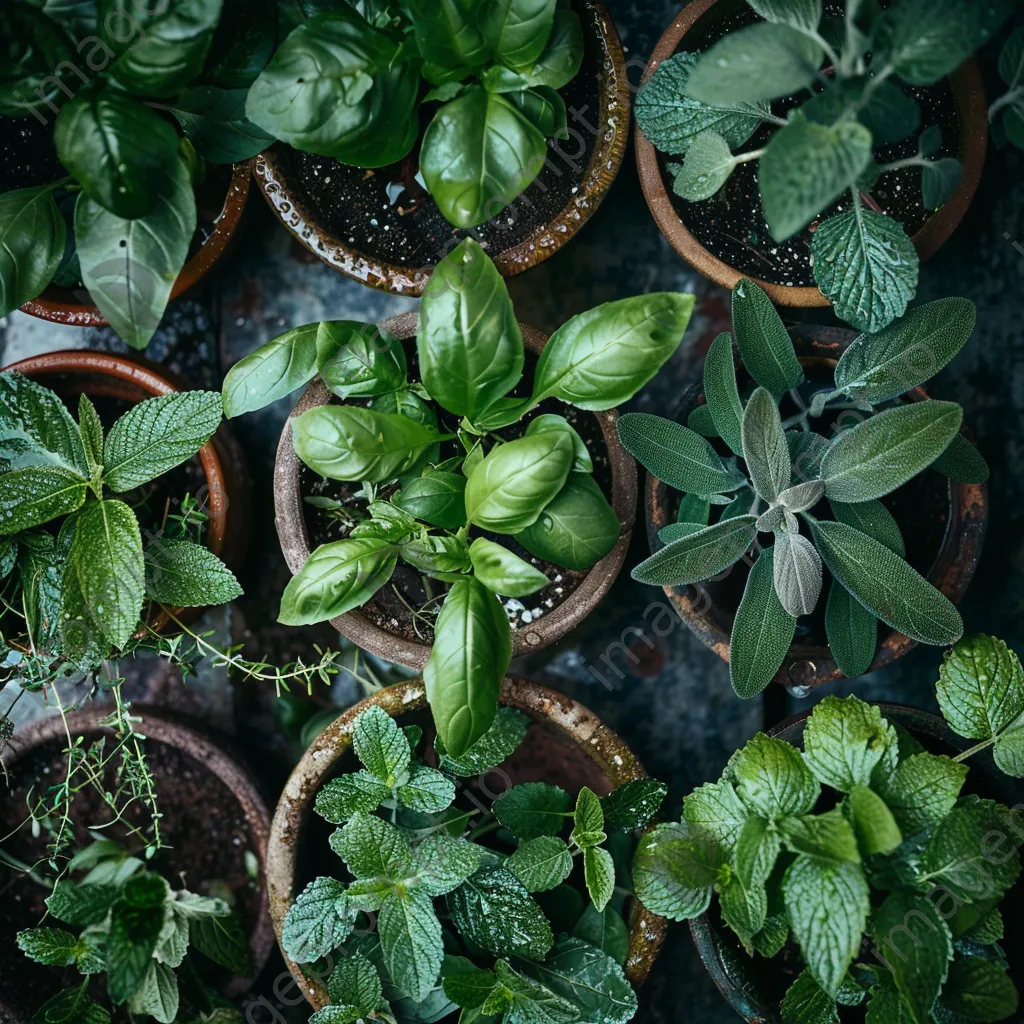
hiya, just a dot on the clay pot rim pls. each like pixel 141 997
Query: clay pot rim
pixel 971 108
pixel 167 729
pixel 59 306
pixel 402 279
pixel 291 531
pixel 570 718
pixel 156 381
pixel 951 571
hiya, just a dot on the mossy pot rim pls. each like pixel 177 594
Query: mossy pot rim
pixel 972 115
pixel 573 720
pixel 294 536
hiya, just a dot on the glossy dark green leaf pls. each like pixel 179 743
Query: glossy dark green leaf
pixel 359 360
pixel 32 240
pixel 214 122
pixel 471 653
pixel 242 45
pixel 562 55
pixel 701 555
pixel 875 826
pixel 72 1006
pixel 544 108
pixel 38 58
pixel 981 687
pixel 766 348
pixel 493 910
pixel 806 1003
pixel 504 572
pixel 852 632
pixel 766 452
pixel 448 34
pixel 135 927
pixel 437 498
pixel 272 371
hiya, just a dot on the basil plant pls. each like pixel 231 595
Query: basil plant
pixel 859 858
pixel 454 470
pixel 350 81
pixel 860 74
pixel 533 928
pixel 804 466
pixel 76 568
pixel 135 99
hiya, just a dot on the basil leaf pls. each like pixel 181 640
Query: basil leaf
pixel 676 454
pixel 479 153
pixel 130 266
pixel 116 147
pixel 671 120
pixel 766 348
pixel 516 31
pixel 981 687
pixel 335 579
pixel 38 57
pixel 508 490
pixel 156 435
pixel 582 462
pixel 761 62
pixel 503 572
pixel 766 452
pixel 436 554
pixel 867 265
pixel 885 451
pixel 471 653
pixel 469 344
pixel 762 631
pixel 722 393
pixel 272 371
pixel 544 108
pixel 214 122
pixel 447 34
pixel 502 739
pixel 187 575
pixel 352 443
pixel 805 168
pixel 797 570
pixel 701 555
pixel 577 527
pixel 106 565
pixel 359 360
pixel 33 237
pixel 872 518
pixel 437 498
pixel 962 462
pixel 562 56
pixel 886 585
pixel 603 357
pixel 852 632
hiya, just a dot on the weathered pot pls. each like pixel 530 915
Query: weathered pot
pixel 971 110
pixel 809 665
pixel 294 536
pixel 63 306
pixel 605 120
pixel 587 753
pixel 214 768
pixel 754 987
pixel 101 375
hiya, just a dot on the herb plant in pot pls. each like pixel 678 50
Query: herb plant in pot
pixel 92 560
pixel 807 144
pixel 471 866
pixel 121 127
pixel 821 442
pixel 403 125
pixel 466 472
pixel 860 877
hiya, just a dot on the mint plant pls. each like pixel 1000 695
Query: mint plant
pixel 1011 103
pixel 77 570
pixel 441 474
pixel 349 83
pixel 859 857
pixel 121 220
pixel 793 462
pixel 142 936
pixel 460 924
pixel 859 75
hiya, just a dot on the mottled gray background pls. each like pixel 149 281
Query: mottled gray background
pixel 675 706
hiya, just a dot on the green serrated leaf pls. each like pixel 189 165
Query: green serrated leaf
pixel 980 990
pixel 716 809
pixel 845 738
pixel 500 741
pixel 757 850
pixel 981 687
pixel 541 863
pixel 494 910
pixel 875 825
pixel 667 859
pixel 317 921
pixel 773 780
pixel 338 799
pixel 827 836
pixel 599 874
pixel 633 804
pixel 806 1003
pixel 52 946
pixel 427 790
pixel 182 574
pixel 605 930
pixel 411 942
pixel 533 809
pixel 381 745
pixel 923 790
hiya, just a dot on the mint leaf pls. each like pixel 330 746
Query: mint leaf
pixel 716 809
pixel 427 790
pixel 355 981
pixel 157 996
pixel 410 938
pixel 914 943
pixel 533 809
pixel 1009 753
pixel 886 1005
pixel 674 869
pixel 34 421
pixel 756 851
pixel 381 745
pixel 136 921
pixel 981 687
pixel 744 908
pixel 81 905
pixel 156 435
pixel 604 929
pixel 373 848
pixel 526 999
pixel 187 575
pixel 923 790
pixel 773 780
pixel 599 874
pixel 588 827
pixel 874 824
pixel 443 862
pixel 806 1003
pixel 989 930
pixel 222 938
pixel 633 804
pixel 493 910
pixel 71 1007
pixel 500 741
pixel 340 798
pixel 317 922
pixel 845 739
pixel 828 836
pixel 465 984
pixel 980 990
pixel 541 863
pixel 827 903
pixel 52 946
pixel 92 431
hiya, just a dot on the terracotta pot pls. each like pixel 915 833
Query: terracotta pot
pixel 809 665
pixel 561 730
pixel 211 763
pixel 754 987
pixel 289 200
pixel 99 374
pixel 63 306
pixel 291 530
pixel 971 110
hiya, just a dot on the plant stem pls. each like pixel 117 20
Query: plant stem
pixel 745 158
pixel 977 749
pixel 1007 99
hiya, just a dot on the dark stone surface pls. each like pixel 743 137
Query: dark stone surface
pixel 667 695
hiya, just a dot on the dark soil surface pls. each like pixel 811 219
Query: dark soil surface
pixel 731 224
